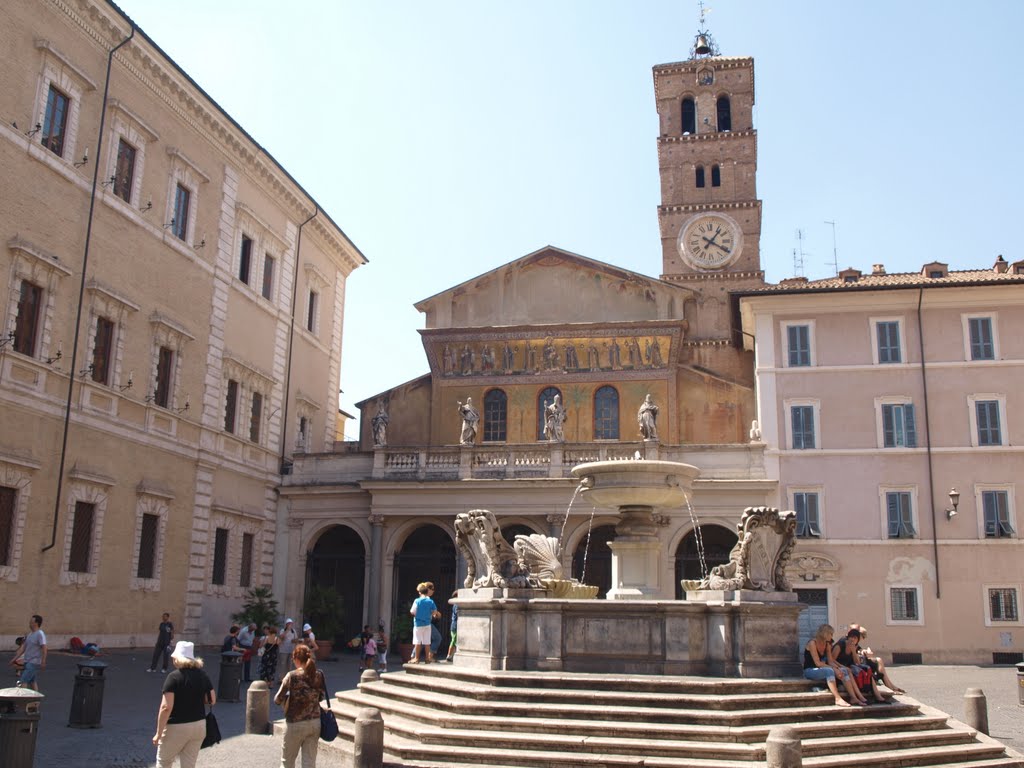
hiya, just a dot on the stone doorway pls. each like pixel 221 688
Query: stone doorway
pixel 427 554
pixel 338 559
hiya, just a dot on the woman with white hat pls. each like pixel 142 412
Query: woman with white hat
pixel 181 721
pixel 288 637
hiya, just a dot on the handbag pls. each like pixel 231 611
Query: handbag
pixel 328 722
pixel 212 731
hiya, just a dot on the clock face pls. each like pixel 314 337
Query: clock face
pixel 710 241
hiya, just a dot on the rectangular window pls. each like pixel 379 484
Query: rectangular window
pixel 900 514
pixel 147 547
pixel 164 370
pixel 904 604
pixel 256 417
pixel 245 575
pixel 898 427
pixel 806 507
pixel 1002 604
pixel 311 313
pixel 987 412
pixel 220 556
pixel 996 508
pixel 982 347
pixel 26 324
pixel 245 260
pixel 81 537
pixel 303 441
pixel 8 499
pixel 102 350
pixel 803 426
pixel 888 341
pixel 268 276
pixel 179 224
pixel 231 406
pixel 799 337
pixel 55 121
pixel 124 173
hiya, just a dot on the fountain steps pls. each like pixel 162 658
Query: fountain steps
pixel 438 715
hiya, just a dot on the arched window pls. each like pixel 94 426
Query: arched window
pixel 699 176
pixel 495 416
pixel 724 114
pixel 716 176
pixel 689 116
pixel 544 399
pixel 606 414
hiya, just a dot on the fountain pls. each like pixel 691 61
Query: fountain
pixel 517 612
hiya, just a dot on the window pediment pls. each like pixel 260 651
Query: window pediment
pixel 51 52
pixel 36 258
pixel 119 107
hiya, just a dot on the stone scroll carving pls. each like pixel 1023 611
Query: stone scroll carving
pixel 533 563
pixel 759 559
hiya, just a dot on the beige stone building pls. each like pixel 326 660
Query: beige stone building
pixel 171 334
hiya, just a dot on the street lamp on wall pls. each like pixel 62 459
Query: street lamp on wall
pixel 954 500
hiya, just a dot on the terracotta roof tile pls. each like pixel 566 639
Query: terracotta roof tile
pixel 893 280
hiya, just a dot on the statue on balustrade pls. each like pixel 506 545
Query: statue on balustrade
pixel 379 423
pixel 470 420
pixel 554 418
pixel 647 419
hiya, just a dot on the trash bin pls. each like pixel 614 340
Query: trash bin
pixel 1020 684
pixel 87 696
pixel 19 724
pixel 230 681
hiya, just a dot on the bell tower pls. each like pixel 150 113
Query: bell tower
pixel 709 217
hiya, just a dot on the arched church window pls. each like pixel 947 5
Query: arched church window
pixel 699 176
pixel 689 116
pixel 544 399
pixel 495 416
pixel 724 114
pixel 716 176
pixel 606 414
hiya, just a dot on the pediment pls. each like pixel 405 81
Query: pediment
pixel 553 287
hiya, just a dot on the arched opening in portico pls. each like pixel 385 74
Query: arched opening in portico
pixel 338 559
pixel 427 554
pixel 598 559
pixel 718 543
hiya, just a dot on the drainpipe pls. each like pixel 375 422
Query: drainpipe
pixel 81 292
pixel 291 339
pixel 928 445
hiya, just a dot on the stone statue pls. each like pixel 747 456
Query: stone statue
pixel 470 419
pixel 380 426
pixel 647 419
pixel 554 418
pixel 759 559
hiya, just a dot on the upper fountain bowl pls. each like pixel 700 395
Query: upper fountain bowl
pixel 636 482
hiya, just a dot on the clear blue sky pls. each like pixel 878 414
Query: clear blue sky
pixel 449 138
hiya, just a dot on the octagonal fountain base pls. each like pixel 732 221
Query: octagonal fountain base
pixel 724 634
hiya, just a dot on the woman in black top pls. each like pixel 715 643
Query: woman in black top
pixel 181 721
pixel 847 654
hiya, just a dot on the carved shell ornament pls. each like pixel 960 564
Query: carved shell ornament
pixel 539 555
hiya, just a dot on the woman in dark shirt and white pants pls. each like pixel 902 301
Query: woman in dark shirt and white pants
pixel 181 721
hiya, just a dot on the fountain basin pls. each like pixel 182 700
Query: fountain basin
pixel 639 483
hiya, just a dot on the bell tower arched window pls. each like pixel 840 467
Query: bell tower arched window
pixel 544 399
pixel 495 416
pixel 606 414
pixel 698 175
pixel 724 114
pixel 716 176
pixel 689 116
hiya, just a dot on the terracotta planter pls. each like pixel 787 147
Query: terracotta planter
pixel 324 648
pixel 405 651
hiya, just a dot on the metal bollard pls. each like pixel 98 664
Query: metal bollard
pixel 368 746
pixel 783 748
pixel 976 710
pixel 257 708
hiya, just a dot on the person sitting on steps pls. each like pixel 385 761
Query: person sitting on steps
pixel 818 665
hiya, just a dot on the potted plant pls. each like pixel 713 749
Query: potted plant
pixel 323 608
pixel 259 608
pixel 401 632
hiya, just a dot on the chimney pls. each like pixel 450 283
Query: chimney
pixel 878 269
pixel 1000 266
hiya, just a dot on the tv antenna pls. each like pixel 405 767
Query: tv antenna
pixel 835 251
pixel 798 255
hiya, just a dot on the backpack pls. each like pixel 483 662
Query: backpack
pixel 76 644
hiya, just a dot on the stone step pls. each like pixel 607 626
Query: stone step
pixel 611 682
pixel 894 758
pixel 458 704
pixel 712 698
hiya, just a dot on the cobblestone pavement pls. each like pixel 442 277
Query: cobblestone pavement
pixel 131 697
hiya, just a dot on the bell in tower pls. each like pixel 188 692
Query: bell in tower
pixel 702 46
pixel 703 43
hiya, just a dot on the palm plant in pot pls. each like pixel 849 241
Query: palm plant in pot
pixel 323 608
pixel 401 632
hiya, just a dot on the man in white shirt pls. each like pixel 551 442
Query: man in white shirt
pixel 245 639
pixel 33 649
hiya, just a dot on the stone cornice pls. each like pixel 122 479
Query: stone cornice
pixel 707 136
pixel 698 276
pixel 734 205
